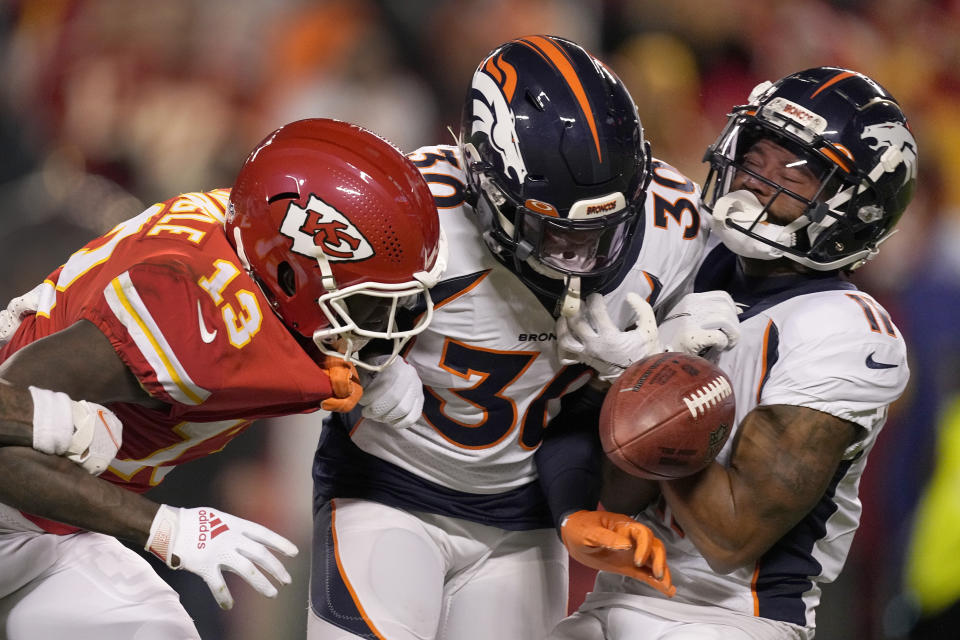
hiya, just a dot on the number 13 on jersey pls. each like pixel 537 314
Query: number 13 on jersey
pixel 242 319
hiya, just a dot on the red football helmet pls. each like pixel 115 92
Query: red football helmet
pixel 340 230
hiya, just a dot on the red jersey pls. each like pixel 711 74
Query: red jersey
pixel 171 295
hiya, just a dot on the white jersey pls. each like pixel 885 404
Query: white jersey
pixel 811 342
pixel 489 364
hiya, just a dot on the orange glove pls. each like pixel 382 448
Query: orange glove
pixel 345 384
pixel 614 542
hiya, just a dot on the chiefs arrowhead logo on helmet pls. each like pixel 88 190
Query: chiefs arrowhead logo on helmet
pixel 318 227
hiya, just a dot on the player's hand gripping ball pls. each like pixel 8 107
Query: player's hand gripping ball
pixel 667 416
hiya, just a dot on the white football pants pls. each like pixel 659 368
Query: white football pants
pixel 675 621
pixel 380 572
pixel 84 586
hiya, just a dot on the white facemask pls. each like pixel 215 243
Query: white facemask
pixel 742 208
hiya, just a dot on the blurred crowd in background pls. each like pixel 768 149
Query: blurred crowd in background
pixel 107 106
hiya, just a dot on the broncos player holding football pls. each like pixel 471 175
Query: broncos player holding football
pixel 806 181
pixel 437 506
pixel 189 321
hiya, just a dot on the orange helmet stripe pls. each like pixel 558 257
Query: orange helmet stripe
pixel 503 74
pixel 843 75
pixel 495 73
pixel 552 52
pixel 836 157
pixel 509 83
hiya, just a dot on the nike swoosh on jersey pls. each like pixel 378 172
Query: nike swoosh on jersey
pixel 205 335
pixel 873 364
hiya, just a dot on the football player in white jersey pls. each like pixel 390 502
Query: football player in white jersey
pixel 436 508
pixel 806 181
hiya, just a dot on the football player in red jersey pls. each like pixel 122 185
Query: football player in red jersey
pixel 189 321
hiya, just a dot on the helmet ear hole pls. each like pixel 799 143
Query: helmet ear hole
pixel 287 278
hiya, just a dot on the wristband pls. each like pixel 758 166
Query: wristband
pixel 52 420
pixel 162 531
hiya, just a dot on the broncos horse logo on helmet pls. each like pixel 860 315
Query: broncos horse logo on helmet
pixel 494 84
pixel 896 135
pixel 557 164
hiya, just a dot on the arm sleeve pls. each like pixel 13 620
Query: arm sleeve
pixel 569 458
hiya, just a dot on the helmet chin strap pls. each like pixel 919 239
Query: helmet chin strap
pixel 571 294
pixel 326 272
pixel 571 298
pixel 742 209
pixel 343 344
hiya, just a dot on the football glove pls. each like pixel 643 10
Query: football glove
pixel 84 432
pixel 393 395
pixel 614 542
pixel 208 541
pixel 18 308
pixel 345 384
pixel 590 336
pixel 701 322
pixel 8 325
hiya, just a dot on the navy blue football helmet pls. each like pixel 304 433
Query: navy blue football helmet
pixel 846 129
pixel 556 161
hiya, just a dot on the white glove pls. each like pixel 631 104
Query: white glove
pixel 393 395
pixel 18 308
pixel 700 322
pixel 86 433
pixel 589 336
pixel 206 541
pixel 9 324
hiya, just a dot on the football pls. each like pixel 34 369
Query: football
pixel 667 416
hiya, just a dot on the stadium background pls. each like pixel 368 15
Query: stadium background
pixel 107 106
